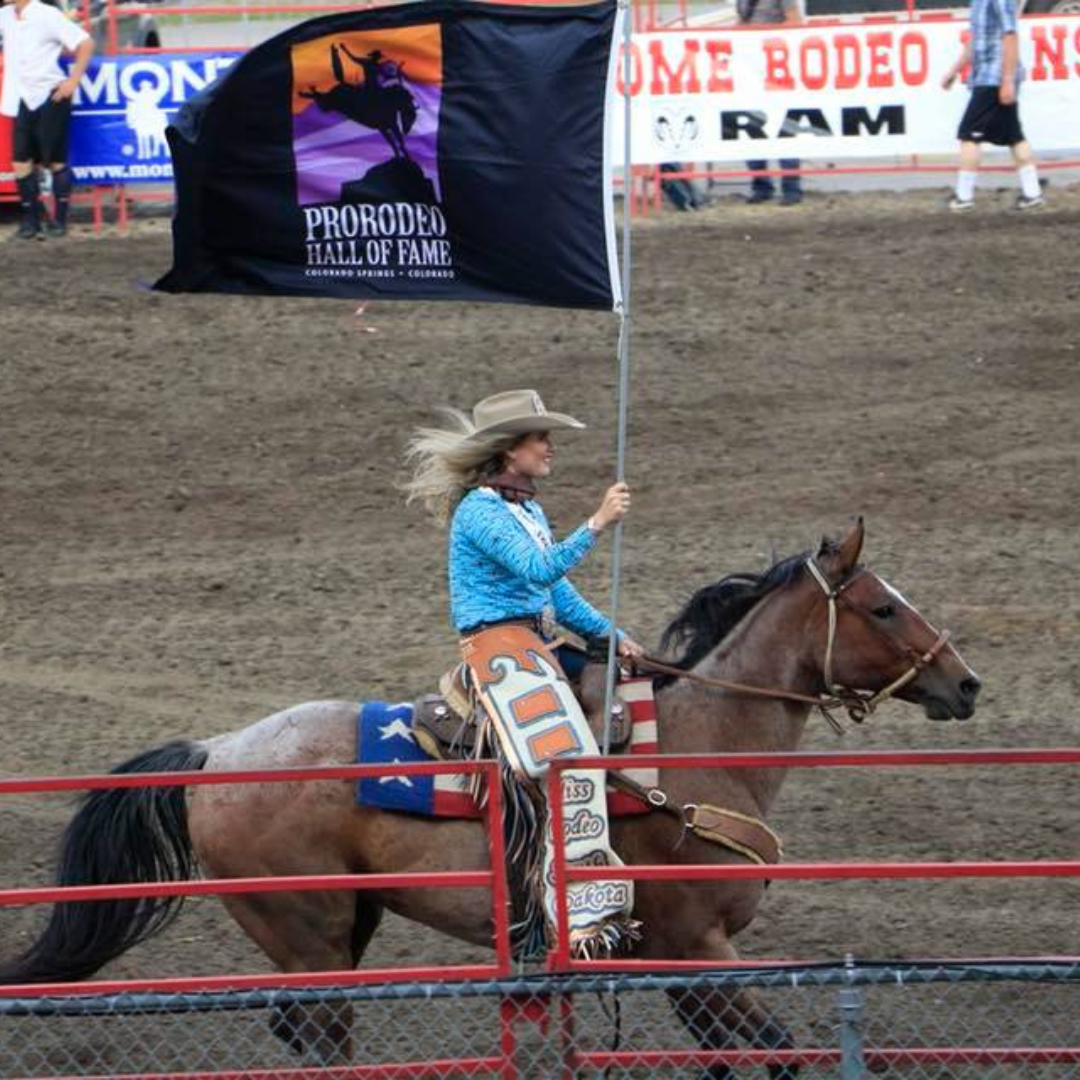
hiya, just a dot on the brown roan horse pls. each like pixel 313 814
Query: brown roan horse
pixel 806 625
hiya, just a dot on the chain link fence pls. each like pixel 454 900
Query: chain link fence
pixel 975 1021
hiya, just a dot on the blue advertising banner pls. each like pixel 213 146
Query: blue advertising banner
pixel 123 106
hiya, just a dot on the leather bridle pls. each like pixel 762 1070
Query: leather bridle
pixel 859 704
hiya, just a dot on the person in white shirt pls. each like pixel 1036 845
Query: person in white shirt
pixel 38 95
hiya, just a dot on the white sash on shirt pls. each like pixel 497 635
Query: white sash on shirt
pixel 532 525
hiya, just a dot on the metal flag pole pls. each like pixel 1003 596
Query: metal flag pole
pixel 623 312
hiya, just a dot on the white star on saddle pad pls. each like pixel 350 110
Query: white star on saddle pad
pixel 396 779
pixel 396 730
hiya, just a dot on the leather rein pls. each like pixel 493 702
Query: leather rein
pixel 765 846
pixel 859 703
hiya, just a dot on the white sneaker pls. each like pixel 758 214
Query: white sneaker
pixel 1032 202
pixel 960 206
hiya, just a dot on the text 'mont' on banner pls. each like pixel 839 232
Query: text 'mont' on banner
pixel 435 150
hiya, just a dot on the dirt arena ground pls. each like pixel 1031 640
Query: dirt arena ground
pixel 200 522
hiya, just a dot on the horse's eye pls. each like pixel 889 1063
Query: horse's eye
pixel 886 611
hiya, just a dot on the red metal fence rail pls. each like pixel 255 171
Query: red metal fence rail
pixel 494 878
pixel 549 1007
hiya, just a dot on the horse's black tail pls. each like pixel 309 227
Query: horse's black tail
pixel 118 835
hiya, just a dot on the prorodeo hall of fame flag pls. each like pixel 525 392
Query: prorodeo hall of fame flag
pixel 434 150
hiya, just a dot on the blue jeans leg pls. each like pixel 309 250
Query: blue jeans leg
pixel 790 185
pixel 678 191
pixel 571 660
pixel 761 185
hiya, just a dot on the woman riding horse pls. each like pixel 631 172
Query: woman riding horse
pixel 811 626
pixel 508 587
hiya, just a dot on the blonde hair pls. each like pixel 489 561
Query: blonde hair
pixel 446 463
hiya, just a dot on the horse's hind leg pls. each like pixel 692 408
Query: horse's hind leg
pixel 299 1025
pixel 716 1017
pixel 368 916
pixel 316 931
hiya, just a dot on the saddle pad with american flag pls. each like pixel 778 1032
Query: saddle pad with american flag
pixel 384 736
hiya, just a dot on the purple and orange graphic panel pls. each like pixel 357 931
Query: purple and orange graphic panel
pixel 363 99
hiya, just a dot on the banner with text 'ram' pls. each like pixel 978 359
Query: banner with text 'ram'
pixel 832 92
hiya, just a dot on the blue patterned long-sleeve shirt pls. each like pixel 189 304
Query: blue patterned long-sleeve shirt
pixel 499 571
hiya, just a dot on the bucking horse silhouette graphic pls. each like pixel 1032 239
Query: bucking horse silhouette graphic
pixel 381 101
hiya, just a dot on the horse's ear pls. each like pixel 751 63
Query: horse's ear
pixel 841 558
pixel 851 546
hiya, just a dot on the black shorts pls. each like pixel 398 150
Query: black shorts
pixel 986 120
pixel 41 134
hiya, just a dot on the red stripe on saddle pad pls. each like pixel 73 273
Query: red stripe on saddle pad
pixel 451 797
pixel 637 695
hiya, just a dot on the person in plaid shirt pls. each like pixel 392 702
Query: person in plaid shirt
pixel 992 114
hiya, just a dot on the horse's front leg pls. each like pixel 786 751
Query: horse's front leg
pixel 390 135
pixel 716 1017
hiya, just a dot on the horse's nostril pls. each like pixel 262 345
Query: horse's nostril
pixel 970 687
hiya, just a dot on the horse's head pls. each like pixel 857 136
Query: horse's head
pixel 876 643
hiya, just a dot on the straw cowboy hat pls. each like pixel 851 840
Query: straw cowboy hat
pixel 516 412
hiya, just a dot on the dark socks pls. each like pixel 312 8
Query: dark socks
pixel 61 185
pixel 29 193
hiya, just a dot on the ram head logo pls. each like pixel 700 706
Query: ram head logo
pixel 675 128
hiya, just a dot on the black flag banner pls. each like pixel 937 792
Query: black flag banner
pixel 435 150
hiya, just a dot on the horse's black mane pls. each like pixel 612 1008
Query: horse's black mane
pixel 714 611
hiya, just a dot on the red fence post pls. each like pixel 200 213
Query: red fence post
pixel 567 1054
pixel 507 1038
pixel 558 957
pixel 113 38
pixel 500 893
